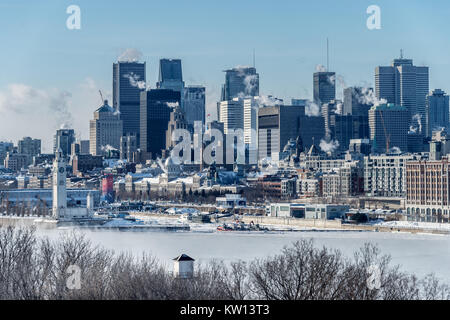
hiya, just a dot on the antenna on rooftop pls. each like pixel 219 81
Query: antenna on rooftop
pixel 401 53
pixel 328 59
pixel 254 64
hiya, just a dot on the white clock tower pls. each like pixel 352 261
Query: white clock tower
pixel 59 186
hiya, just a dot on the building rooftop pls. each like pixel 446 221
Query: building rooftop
pixel 183 257
pixel 388 107
pixel 105 107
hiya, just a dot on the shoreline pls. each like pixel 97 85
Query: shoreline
pixel 273 224
pixel 303 225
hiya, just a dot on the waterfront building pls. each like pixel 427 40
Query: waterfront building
pixel 385 175
pixel 428 185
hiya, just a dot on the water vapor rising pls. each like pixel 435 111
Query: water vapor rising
pixel 130 55
pixel 329 146
pixel 312 109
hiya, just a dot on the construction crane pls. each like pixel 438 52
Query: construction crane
pixel 386 135
pixel 101 95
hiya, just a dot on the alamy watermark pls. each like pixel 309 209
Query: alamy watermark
pixel 374 279
pixel 73 22
pixel 214 147
pixel 73 281
pixel 374 20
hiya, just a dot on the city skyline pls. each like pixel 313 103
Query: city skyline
pixel 58 80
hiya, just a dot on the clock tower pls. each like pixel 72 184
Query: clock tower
pixel 59 186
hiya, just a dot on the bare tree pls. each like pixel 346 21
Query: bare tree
pixel 34 267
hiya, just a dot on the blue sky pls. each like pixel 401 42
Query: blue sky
pixel 43 58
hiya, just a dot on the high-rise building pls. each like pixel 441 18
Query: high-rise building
pixel 63 140
pixel 15 161
pixel 299 102
pixel 361 146
pixel 194 104
pixel 30 147
pixel 5 147
pixel 251 107
pixel 240 82
pixel 312 130
pixel 437 111
pixel 279 124
pixel 328 109
pixel 105 130
pixel 388 128
pixel 232 115
pixel 427 185
pixel 177 121
pixel 439 145
pixel 324 86
pixel 156 106
pixel 385 175
pixel 341 130
pixel 356 102
pixel 84 146
pixel 404 84
pixel 170 75
pixel 128 146
pixel 128 81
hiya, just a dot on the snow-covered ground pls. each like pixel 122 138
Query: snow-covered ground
pixel 414 225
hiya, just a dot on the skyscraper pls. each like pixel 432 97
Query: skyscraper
pixel 240 82
pixel 251 106
pixel 30 147
pixel 388 128
pixel 232 114
pixel 105 130
pixel 341 130
pixel 324 87
pixel 128 81
pixel 437 111
pixel 278 124
pixel 156 106
pixel 5 147
pixel 355 101
pixel 170 75
pixel 194 104
pixel 329 109
pixel 404 84
pixel 63 140
pixel 177 121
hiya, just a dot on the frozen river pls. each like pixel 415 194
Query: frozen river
pixel 417 253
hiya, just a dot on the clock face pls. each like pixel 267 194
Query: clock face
pixel 61 169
